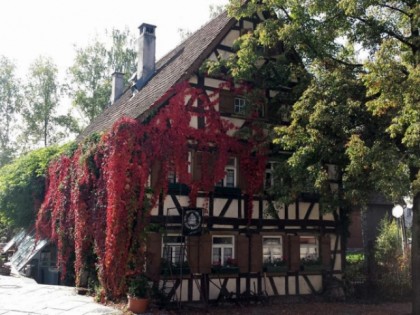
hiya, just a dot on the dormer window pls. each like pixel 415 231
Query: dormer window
pixel 239 105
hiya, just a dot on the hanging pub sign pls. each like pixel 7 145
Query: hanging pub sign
pixel 192 219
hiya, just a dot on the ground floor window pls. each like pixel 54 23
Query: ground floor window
pixel 272 249
pixel 309 248
pixel 222 250
pixel 173 249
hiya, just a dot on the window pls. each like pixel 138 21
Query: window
pixel 269 175
pixel 272 249
pixel 172 177
pixel 173 249
pixel 239 105
pixel 309 248
pixel 230 174
pixel 189 162
pixel 222 250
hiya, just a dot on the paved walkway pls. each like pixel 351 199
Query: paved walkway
pixel 20 295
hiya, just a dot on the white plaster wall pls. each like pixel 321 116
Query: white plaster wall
pixel 279 282
pixel 316 282
pixel 328 216
pixel 292 285
pixel 194 122
pixel 337 265
pixel 182 291
pixel 248 25
pixel 213 82
pixel 292 211
pixel 212 57
pixel 230 38
pixel 216 284
pixel 232 211
pixel 193 79
pixel 225 54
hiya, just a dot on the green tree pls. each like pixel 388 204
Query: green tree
pixel 10 106
pixel 22 186
pixel 90 74
pixel 43 123
pixel 361 110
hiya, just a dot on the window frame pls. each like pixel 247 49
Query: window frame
pixel 223 256
pixel 239 105
pixel 308 255
pixel 280 246
pixel 269 171
pixel 233 168
pixel 173 245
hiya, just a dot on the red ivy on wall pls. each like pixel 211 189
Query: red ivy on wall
pixel 98 200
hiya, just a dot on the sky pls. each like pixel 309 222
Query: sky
pixel 30 28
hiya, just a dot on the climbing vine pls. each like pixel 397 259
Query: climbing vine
pixel 98 200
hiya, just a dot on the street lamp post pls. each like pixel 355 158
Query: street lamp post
pixel 397 213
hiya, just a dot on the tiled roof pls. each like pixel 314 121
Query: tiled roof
pixel 177 66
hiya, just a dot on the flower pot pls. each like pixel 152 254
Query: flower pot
pixel 226 270
pixel 312 267
pixel 138 305
pixel 275 269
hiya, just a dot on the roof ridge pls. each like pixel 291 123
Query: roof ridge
pixel 176 66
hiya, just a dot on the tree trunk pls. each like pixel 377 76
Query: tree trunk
pixel 415 254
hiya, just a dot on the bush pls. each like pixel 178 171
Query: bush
pixel 355 275
pixel 392 264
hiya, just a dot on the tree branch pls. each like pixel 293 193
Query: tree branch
pixel 395 9
pixel 385 30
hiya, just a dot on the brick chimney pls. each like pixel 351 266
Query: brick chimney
pixel 146 54
pixel 117 86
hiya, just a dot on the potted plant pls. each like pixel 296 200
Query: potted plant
pixel 276 265
pixel 230 267
pixel 311 263
pixel 138 294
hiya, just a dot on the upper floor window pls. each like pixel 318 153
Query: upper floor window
pixel 230 174
pixel 269 175
pixel 222 250
pixel 172 177
pixel 189 162
pixel 239 105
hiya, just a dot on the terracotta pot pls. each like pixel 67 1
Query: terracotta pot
pixel 137 305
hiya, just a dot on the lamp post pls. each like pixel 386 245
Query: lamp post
pixel 397 212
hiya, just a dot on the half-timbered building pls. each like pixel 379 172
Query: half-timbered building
pixel 230 239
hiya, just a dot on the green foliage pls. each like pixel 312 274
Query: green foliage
pixel 393 274
pixel 360 114
pixel 360 111
pixel 139 286
pixel 355 258
pixel 22 186
pixel 90 74
pixel 5 228
pixel 388 242
pixel 43 125
pixel 10 106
